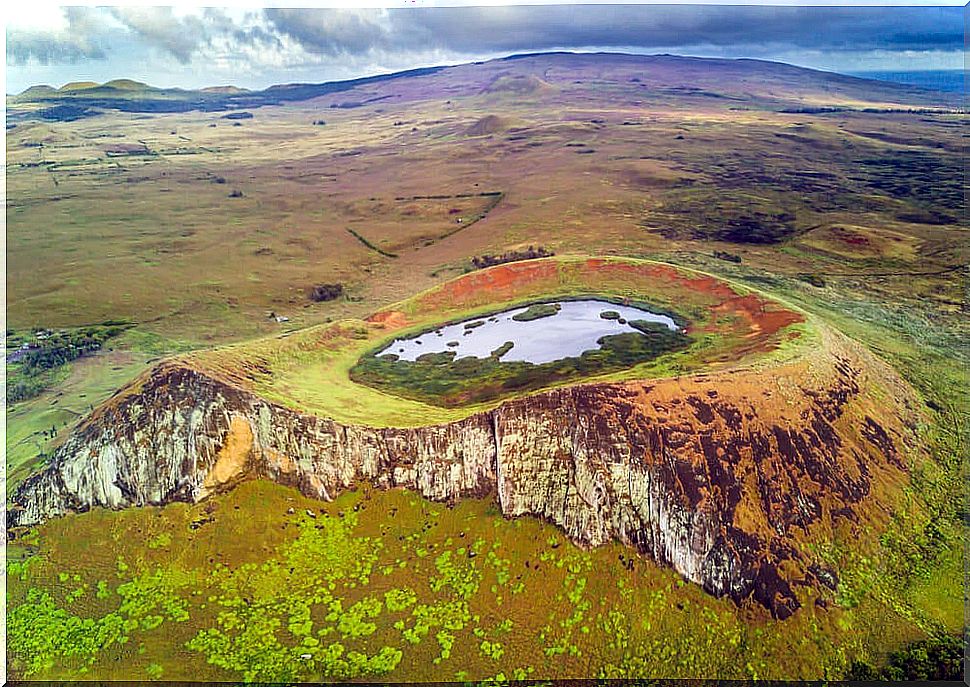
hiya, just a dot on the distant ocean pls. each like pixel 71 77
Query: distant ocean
pixel 950 80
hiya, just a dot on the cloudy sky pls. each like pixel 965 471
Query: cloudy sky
pixel 190 46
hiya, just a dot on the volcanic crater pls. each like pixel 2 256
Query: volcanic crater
pixel 726 459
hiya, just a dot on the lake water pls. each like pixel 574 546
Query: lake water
pixel 574 329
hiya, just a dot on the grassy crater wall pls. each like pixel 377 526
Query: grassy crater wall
pixel 310 371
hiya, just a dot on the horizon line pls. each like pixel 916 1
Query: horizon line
pixel 493 59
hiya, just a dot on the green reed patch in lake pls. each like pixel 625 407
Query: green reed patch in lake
pixel 446 380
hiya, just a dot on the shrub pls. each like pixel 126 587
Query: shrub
pixel 813 279
pixel 326 292
pixel 729 257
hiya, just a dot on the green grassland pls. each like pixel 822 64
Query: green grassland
pixel 263 584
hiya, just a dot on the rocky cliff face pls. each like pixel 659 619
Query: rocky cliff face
pixel 725 478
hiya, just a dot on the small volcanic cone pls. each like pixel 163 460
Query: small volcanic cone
pixel 489 124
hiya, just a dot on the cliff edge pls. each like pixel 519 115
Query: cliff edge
pixel 726 477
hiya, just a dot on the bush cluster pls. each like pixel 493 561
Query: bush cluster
pixel 531 253
pixel 929 659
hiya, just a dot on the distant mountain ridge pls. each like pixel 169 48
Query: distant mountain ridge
pixel 520 75
pixel 132 96
pixel 224 89
pixel 84 88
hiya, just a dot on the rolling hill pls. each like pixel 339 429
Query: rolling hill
pixel 770 84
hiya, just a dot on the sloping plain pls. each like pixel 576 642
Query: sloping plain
pixel 840 196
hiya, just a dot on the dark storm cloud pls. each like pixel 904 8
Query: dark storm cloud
pixel 337 31
pixel 470 30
